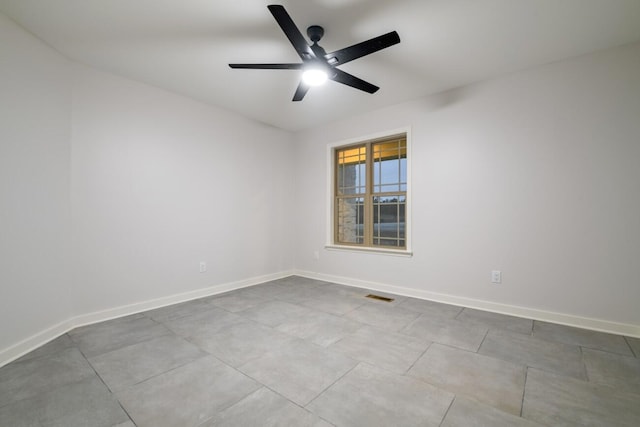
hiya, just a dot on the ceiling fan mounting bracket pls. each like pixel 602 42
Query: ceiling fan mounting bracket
pixel 315 33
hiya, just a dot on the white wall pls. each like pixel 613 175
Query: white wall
pixel 161 182
pixel 35 105
pixel 536 174
pixel 112 192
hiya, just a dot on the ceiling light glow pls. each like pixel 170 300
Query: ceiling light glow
pixel 314 77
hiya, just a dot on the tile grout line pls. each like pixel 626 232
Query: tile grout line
pixel 146 339
pixel 331 385
pixel 533 328
pixel 482 342
pixel 589 346
pixel 532 325
pixel 352 310
pixel 524 389
pixel 584 365
pixel 285 398
pixel 455 396
pixel 419 357
pixel 459 313
pixel 234 403
pixel 207 354
pixel 111 392
pixel 626 339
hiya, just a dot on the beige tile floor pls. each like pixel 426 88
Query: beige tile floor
pixel 301 352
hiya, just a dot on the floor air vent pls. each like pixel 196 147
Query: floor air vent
pixel 378 297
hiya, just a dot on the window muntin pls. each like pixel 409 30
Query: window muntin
pixel 351 170
pixel 390 166
pixel 370 194
pixel 351 226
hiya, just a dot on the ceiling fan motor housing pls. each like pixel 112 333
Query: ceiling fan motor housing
pixel 315 33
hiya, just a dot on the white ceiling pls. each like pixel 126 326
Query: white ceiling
pixel 185 45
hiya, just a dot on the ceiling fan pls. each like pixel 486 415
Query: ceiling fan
pixel 317 64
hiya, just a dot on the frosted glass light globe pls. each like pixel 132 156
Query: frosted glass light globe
pixel 314 77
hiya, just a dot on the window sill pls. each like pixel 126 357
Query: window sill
pixel 380 251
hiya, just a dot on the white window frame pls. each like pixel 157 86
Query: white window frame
pixel 330 233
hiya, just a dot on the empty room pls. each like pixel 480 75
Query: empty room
pixel 321 213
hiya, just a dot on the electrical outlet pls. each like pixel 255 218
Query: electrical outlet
pixel 496 276
pixel 316 255
pixel 203 266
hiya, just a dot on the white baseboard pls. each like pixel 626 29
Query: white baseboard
pixel 512 310
pixel 31 343
pixel 34 341
pixel 25 346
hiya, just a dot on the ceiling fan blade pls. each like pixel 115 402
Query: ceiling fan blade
pixel 301 91
pixel 291 31
pixel 359 50
pixel 268 66
pixel 350 80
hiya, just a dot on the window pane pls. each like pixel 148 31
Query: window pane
pixel 399 243
pixel 403 173
pixel 389 220
pixel 371 178
pixel 351 170
pixel 351 220
pixel 390 166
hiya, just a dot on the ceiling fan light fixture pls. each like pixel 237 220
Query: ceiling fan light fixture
pixel 317 65
pixel 314 76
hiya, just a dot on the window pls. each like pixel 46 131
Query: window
pixel 370 194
